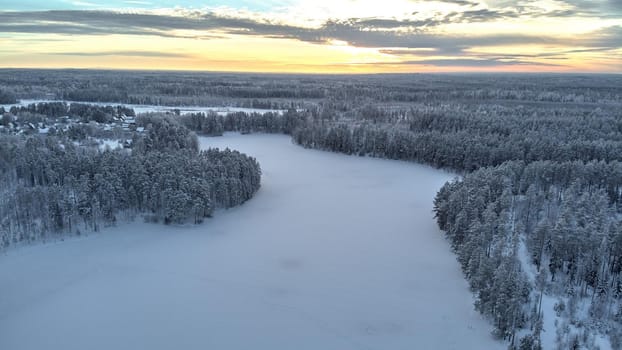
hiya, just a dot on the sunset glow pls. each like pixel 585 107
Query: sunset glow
pixel 341 36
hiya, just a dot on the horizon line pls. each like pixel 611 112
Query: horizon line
pixel 155 70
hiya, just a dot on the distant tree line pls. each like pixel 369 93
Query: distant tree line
pixel 296 91
pixel 50 186
pixel 7 97
pixel 465 139
pixel 213 124
pixel 79 111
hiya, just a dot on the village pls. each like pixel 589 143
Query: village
pixel 88 125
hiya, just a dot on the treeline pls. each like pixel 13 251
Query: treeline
pixel 51 187
pixel 164 133
pixel 80 111
pixel 301 91
pixel 213 124
pixel 7 97
pixel 559 218
pixel 464 139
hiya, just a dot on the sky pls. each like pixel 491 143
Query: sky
pixel 315 36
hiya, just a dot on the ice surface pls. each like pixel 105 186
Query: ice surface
pixel 334 252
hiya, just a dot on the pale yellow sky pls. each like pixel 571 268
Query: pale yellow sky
pixel 338 36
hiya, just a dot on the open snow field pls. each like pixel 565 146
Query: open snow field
pixel 334 252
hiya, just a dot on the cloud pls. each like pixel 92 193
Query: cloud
pixel 417 52
pixel 103 23
pixel 109 22
pixel 598 8
pixel 361 37
pixel 467 62
pixel 470 16
pixel 388 23
pixel 610 37
pixel 480 15
pixel 595 4
pixel 125 53
pixel 360 32
pixel 461 2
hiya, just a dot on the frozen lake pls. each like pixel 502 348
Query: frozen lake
pixel 334 252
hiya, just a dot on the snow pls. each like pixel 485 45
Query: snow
pixel 109 144
pixel 549 327
pixel 152 108
pixel 550 321
pixel 549 317
pixel 334 252
pixel 186 110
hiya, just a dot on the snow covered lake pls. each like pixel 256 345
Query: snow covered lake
pixel 334 252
